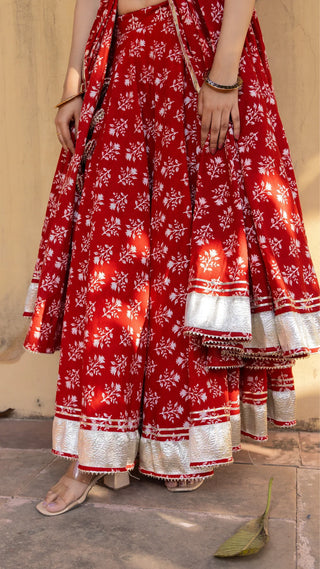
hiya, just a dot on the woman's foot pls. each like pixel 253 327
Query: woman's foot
pixel 183 485
pixel 71 490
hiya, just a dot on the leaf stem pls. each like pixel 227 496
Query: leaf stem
pixel 269 497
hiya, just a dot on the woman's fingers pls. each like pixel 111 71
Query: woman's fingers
pixel 215 110
pixel 214 132
pixel 205 125
pixel 235 116
pixel 60 137
pixel 66 115
pixel 66 134
pixel 200 103
pixel 65 139
pixel 63 132
pixel 224 125
pixel 76 123
pixel 205 115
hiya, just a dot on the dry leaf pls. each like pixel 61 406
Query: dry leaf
pixel 250 538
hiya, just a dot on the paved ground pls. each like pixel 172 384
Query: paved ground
pixel 146 527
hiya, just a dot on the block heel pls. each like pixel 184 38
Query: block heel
pixel 117 480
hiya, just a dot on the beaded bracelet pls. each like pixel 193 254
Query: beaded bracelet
pixel 224 88
pixel 69 99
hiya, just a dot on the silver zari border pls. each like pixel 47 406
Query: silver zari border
pixel 95 449
pixel 282 406
pixel 211 443
pixel 206 444
pixel 235 421
pixel 254 420
pixel 264 333
pixel 223 313
pixel 31 298
pixel 296 330
pixel 291 331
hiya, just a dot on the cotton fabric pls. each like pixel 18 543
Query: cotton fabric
pixel 177 283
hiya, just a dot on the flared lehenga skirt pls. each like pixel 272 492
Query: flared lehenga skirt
pixel 131 382
pixel 126 366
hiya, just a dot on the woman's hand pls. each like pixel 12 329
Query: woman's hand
pixel 68 116
pixel 215 109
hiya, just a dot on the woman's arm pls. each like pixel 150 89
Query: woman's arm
pixel 84 15
pixel 215 108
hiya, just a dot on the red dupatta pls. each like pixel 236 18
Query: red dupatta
pixel 252 284
pixel 46 294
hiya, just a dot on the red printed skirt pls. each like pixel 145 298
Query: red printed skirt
pixel 140 374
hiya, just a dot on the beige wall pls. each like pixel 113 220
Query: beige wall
pixel 34 41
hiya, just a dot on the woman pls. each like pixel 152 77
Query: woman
pixel 173 269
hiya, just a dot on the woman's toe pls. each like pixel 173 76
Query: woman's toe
pixel 56 506
pixel 171 483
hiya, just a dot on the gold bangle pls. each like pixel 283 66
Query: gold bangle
pixel 69 99
pixel 224 88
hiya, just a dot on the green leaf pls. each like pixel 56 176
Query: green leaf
pixel 250 538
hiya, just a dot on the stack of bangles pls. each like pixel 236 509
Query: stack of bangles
pixel 223 88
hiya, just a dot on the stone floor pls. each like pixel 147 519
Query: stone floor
pixel 146 527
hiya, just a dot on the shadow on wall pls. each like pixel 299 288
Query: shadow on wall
pixel 291 35
pixel 11 348
pixel 304 402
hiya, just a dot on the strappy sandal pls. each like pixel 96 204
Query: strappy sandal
pixel 184 485
pixel 115 481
